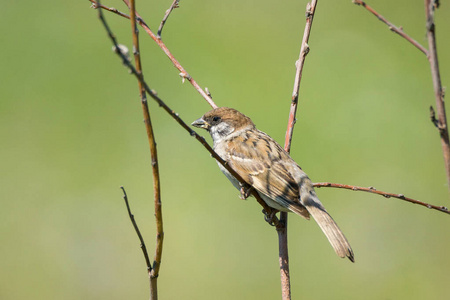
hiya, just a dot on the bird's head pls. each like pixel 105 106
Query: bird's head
pixel 223 121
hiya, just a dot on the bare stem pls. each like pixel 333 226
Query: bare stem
pixel 166 16
pixel 138 232
pixel 441 123
pixel 392 27
pixel 283 255
pixel 153 274
pixel 384 194
pixel 310 10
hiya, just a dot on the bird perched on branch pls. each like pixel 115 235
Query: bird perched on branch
pixel 268 168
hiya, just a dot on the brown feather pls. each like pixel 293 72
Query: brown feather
pixel 268 168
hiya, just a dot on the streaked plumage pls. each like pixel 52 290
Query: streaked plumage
pixel 268 168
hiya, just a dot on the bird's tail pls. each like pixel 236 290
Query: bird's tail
pixel 329 227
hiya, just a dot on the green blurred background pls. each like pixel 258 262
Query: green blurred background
pixel 72 134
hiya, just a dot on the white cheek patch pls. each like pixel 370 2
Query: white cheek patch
pixel 220 131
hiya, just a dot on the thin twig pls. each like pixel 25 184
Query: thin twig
pixel 392 27
pixel 166 16
pixel 283 255
pixel 96 5
pixel 437 85
pixel 208 92
pixel 153 275
pixel 433 117
pixel 175 116
pixel 384 194
pixel 183 73
pixel 310 9
pixel 138 232
pixel 430 6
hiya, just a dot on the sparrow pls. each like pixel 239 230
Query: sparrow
pixel 269 169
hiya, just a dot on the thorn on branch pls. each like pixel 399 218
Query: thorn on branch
pixel 208 92
pixel 435 121
pixel 135 51
pixel 308 12
pixel 433 117
pixel 306 49
pixel 358 2
pixel 184 76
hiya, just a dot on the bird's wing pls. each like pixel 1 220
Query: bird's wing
pixel 266 166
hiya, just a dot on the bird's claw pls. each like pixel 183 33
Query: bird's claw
pixel 268 217
pixel 245 191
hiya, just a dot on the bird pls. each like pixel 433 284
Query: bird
pixel 269 169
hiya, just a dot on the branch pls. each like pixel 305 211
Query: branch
pixel 267 210
pixel 304 50
pixel 136 228
pixel 166 16
pixel 433 119
pixel 392 27
pixel 183 73
pixel 96 5
pixel 283 254
pixel 384 194
pixel 437 85
pixel 441 121
pixel 153 274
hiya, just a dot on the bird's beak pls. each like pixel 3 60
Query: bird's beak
pixel 200 123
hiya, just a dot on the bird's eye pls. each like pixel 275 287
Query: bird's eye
pixel 216 119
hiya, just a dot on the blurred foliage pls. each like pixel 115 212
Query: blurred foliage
pixel 72 133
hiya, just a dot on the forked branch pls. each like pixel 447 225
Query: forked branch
pixel 430 6
pixel 154 272
pixel 431 53
pixel 183 73
pixel 138 232
pixel 166 16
